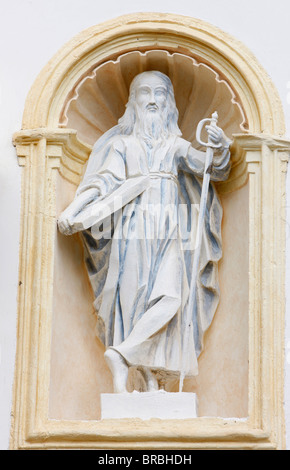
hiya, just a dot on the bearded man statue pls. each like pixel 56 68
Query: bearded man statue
pixel 136 210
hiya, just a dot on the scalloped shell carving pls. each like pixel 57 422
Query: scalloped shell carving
pixel 98 100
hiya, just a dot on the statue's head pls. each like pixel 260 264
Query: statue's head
pixel 151 109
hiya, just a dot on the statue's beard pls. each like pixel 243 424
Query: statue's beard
pixel 150 126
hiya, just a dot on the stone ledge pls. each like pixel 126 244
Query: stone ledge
pixel 147 405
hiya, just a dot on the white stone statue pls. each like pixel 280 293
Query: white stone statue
pixel 137 210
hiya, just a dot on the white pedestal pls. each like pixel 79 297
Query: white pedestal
pixel 147 405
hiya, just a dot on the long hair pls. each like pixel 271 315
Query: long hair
pixel 128 120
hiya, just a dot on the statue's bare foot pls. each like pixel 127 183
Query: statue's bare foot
pixel 119 369
pixel 150 380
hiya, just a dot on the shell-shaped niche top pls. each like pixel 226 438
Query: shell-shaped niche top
pixel 98 100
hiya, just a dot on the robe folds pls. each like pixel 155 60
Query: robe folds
pixel 139 238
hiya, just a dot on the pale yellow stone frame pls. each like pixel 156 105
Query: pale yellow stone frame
pixel 260 158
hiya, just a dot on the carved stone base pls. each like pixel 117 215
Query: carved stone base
pixel 147 405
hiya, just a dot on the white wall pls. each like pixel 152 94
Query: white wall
pixel 31 31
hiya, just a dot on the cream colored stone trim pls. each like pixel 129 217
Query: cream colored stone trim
pixel 62 147
pixel 260 158
pixel 143 31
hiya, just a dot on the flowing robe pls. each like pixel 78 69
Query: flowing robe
pixel 140 266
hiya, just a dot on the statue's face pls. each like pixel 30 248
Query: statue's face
pixel 151 94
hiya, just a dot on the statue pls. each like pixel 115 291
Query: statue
pixel 137 210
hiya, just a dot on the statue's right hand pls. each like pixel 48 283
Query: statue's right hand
pixel 64 224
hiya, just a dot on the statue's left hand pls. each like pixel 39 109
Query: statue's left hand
pixel 215 134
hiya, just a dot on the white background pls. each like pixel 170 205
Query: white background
pixel 31 32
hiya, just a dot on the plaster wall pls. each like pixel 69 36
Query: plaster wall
pixel 31 31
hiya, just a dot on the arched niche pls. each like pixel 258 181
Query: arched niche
pixel 98 100
pixel 81 93
pixel 94 105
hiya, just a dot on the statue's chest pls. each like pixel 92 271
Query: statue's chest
pixel 142 158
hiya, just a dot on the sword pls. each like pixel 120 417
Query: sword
pixel 203 199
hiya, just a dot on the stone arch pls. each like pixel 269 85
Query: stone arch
pixel 145 31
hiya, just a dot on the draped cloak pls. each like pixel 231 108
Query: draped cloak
pixel 139 255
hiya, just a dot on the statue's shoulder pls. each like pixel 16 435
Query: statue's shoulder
pixel 126 142
pixel 182 144
pixel 119 143
pixel 107 141
pixel 122 142
pixel 181 141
